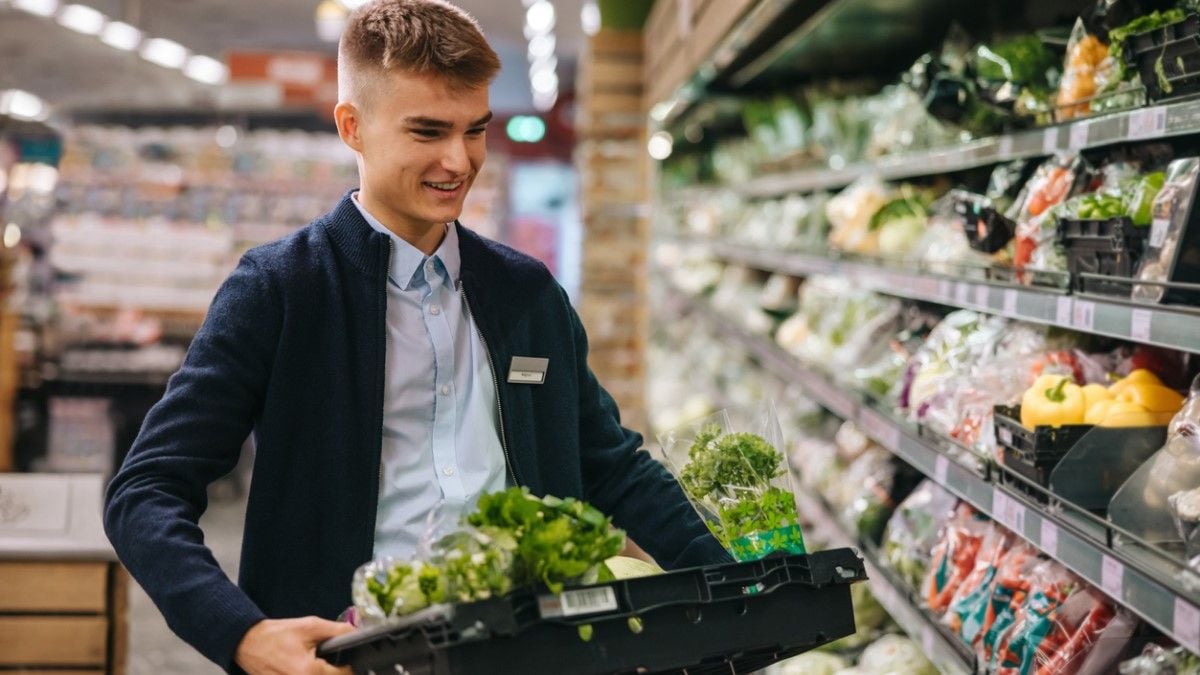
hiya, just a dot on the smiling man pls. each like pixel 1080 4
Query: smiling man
pixel 391 363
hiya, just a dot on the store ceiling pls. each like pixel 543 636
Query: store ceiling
pixel 73 71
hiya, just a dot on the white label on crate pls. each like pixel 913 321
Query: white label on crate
pixel 1010 302
pixel 1187 624
pixel 1139 324
pixel 944 289
pixel 1050 140
pixel 1079 135
pixel 962 293
pixel 1005 436
pixel 941 467
pixel 1062 311
pixel 1158 231
pixel 1112 578
pixel 1084 315
pixel 982 296
pixel 1005 148
pixel 577 602
pixel 1049 537
pixel 1147 123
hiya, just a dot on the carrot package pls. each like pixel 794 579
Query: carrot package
pixel 1008 593
pixel 1036 245
pixel 968 610
pixel 954 556
pixel 1035 634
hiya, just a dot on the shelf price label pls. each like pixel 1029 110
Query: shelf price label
pixel 1005 148
pixel 1139 324
pixel 1112 578
pixel 982 296
pixel 1147 123
pixel 944 289
pixel 1187 624
pixel 962 293
pixel 1048 537
pixel 941 467
pixel 1062 311
pixel 1079 136
pixel 1008 511
pixel 1050 140
pixel 1010 302
pixel 1084 315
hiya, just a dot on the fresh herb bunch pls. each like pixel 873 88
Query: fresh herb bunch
pixel 407 587
pixel 773 509
pixel 558 540
pixel 719 464
pixel 476 563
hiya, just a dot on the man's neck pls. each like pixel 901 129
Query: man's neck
pixel 425 237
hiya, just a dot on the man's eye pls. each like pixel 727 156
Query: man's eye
pixel 478 131
pixel 426 133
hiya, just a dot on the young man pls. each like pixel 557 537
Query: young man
pixel 376 354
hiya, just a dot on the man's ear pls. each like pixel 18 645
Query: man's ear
pixel 349 124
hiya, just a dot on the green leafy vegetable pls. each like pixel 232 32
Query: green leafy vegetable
pixel 1022 60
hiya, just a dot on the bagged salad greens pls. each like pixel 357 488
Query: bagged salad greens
pixel 913 530
pixel 732 468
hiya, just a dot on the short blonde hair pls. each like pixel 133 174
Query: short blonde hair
pixel 417 36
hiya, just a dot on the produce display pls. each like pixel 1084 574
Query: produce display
pixel 511 539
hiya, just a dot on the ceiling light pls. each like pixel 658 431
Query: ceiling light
pixel 589 16
pixel 45 8
pixel 205 69
pixel 544 101
pixel 660 146
pixel 120 35
pixel 12 235
pixel 353 4
pixel 331 20
pixel 526 129
pixel 541 46
pixel 540 16
pixel 82 19
pixel 550 64
pixel 22 105
pixel 544 81
pixel 164 52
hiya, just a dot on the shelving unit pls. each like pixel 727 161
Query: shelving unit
pixel 1161 591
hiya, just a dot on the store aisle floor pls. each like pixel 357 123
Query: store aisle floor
pixel 153 648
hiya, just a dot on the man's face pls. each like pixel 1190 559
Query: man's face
pixel 421 144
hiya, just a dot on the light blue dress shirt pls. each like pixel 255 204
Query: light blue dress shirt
pixel 441 444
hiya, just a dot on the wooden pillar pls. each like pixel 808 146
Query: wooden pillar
pixel 614 181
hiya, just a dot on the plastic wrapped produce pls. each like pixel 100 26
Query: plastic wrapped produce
pixel 895 655
pixel 1037 248
pixel 850 214
pixel 1087 70
pixel 1012 583
pixel 954 556
pixel 913 530
pixel 732 469
pixel 814 663
pixel 967 609
pixel 1171 215
pixel 1159 660
pixel 1017 650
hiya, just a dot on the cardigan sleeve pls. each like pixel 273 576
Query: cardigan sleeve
pixel 189 439
pixel 627 483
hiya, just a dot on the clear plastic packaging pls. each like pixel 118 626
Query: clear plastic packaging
pixel 967 610
pixel 913 529
pixel 954 556
pixel 850 213
pixel 732 468
pixel 1170 216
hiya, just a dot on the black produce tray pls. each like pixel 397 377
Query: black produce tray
pixel 1111 247
pixel 1167 58
pixel 1034 470
pixel 734 618
pixel 986 229
pixel 1034 453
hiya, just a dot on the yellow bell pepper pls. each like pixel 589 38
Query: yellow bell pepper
pixel 1152 397
pixel 1094 393
pixel 1139 376
pixel 1053 400
pixel 1128 414
pixel 1097 411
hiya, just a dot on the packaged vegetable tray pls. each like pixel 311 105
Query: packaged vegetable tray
pixel 1167 58
pixel 1111 247
pixel 737 617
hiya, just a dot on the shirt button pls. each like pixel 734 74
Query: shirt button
pixel 449 471
pixel 435 310
pixel 445 390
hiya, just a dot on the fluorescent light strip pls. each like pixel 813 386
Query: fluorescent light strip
pixel 120 35
pixel 22 105
pixel 44 8
pixel 164 52
pixel 82 19
pixel 206 69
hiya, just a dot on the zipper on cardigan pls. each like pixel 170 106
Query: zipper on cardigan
pixel 512 470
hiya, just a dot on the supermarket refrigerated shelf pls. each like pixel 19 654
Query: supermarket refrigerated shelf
pixel 1163 325
pixel 1141 124
pixel 1166 595
pixel 941 649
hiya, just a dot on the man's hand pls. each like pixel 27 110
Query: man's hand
pixel 287 646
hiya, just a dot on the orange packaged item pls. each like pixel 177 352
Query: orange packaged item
pixel 1026 644
pixel 954 556
pixel 966 613
pixel 1086 70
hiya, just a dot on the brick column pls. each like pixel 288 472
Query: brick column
pixel 614 181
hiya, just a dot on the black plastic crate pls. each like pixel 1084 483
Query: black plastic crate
pixel 1112 248
pixel 1033 453
pixel 1167 58
pixel 986 229
pixel 733 618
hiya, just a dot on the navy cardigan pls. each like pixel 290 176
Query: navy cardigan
pixel 293 349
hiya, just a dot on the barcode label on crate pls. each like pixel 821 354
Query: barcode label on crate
pixel 1010 302
pixel 1187 624
pixel 1079 135
pixel 981 296
pixel 1083 316
pixel 1158 231
pixel 1139 324
pixel 1005 436
pixel 1112 578
pixel 1062 311
pixel 1147 123
pixel 1050 140
pixel 1049 537
pixel 577 602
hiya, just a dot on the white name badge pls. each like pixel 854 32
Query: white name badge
pixel 527 370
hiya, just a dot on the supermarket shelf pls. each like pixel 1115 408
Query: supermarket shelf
pixel 939 647
pixel 1167 596
pixel 1163 325
pixel 1172 119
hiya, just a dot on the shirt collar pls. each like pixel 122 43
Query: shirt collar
pixel 407 259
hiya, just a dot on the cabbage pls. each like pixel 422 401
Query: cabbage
pixel 813 663
pixel 623 567
pixel 895 655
